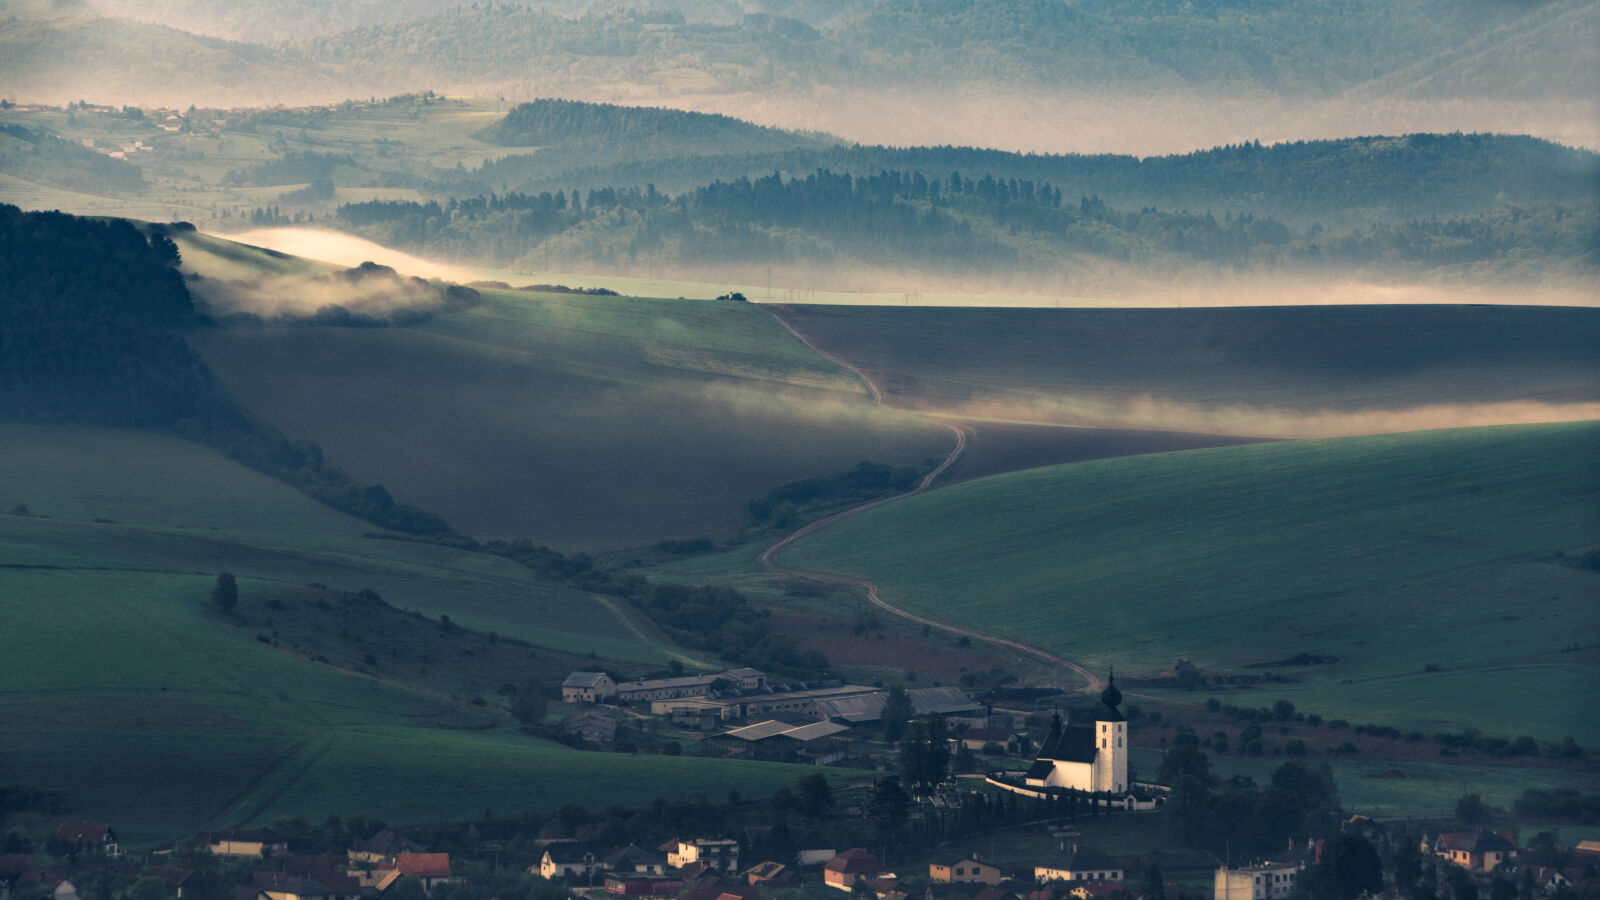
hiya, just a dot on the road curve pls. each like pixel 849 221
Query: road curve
pixel 1093 683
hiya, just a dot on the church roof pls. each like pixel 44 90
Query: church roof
pixel 1074 743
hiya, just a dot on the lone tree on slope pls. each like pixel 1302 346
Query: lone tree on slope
pixel 226 593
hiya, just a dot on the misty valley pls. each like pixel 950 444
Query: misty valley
pixel 726 450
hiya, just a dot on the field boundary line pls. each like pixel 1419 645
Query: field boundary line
pixel 627 620
pixel 877 395
pixel 1093 683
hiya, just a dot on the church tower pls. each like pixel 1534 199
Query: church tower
pixel 1111 742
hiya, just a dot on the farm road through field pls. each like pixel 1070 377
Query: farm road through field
pixel 1093 684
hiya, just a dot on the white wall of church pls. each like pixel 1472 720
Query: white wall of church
pixel 1111 757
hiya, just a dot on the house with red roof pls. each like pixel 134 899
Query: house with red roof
pixel 88 838
pixel 845 869
pixel 430 869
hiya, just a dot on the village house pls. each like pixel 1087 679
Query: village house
pixel 1547 879
pixel 243 842
pixel 1078 864
pixel 1266 881
pixel 963 869
pixel 568 859
pixel 587 687
pixel 632 859
pixel 845 869
pixel 721 854
pixel 382 847
pixel 87 838
pixel 1272 879
pixel 1479 851
pixel 430 869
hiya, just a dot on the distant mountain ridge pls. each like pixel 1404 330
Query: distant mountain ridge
pixel 1425 50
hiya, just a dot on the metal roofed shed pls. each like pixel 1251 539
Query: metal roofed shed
pixel 943 701
pixel 814 731
pixel 760 731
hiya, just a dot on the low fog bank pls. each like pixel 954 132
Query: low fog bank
pixel 368 293
pixel 1147 412
pixel 1094 283
pixel 346 250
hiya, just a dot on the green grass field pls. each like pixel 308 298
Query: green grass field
pixel 180 509
pixel 579 421
pixel 1427 789
pixel 1287 371
pixel 1394 554
pixel 126 692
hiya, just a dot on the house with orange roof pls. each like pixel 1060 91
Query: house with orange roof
pixel 851 866
pixel 431 869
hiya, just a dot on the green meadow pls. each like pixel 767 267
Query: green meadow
pixel 1445 571
pixel 583 422
pixel 135 700
pixel 174 508
pixel 1387 787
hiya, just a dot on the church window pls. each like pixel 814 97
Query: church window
pixel 1102 742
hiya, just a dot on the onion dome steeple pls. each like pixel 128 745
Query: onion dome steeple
pixel 1111 696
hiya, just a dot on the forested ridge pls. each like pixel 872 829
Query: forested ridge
pixel 91 331
pixel 663 132
pixel 1331 182
pixel 953 223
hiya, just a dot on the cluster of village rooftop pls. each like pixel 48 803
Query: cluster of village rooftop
pixel 807 722
pixel 708 868
pixel 1088 757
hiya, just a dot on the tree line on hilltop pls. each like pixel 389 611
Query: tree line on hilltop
pixel 952 223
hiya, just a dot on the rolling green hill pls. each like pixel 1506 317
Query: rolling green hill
pixel 1285 371
pixel 142 706
pixel 1448 574
pixel 577 421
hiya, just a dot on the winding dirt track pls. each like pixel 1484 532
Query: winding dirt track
pixel 1093 684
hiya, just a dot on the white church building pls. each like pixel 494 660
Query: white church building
pixel 1086 757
